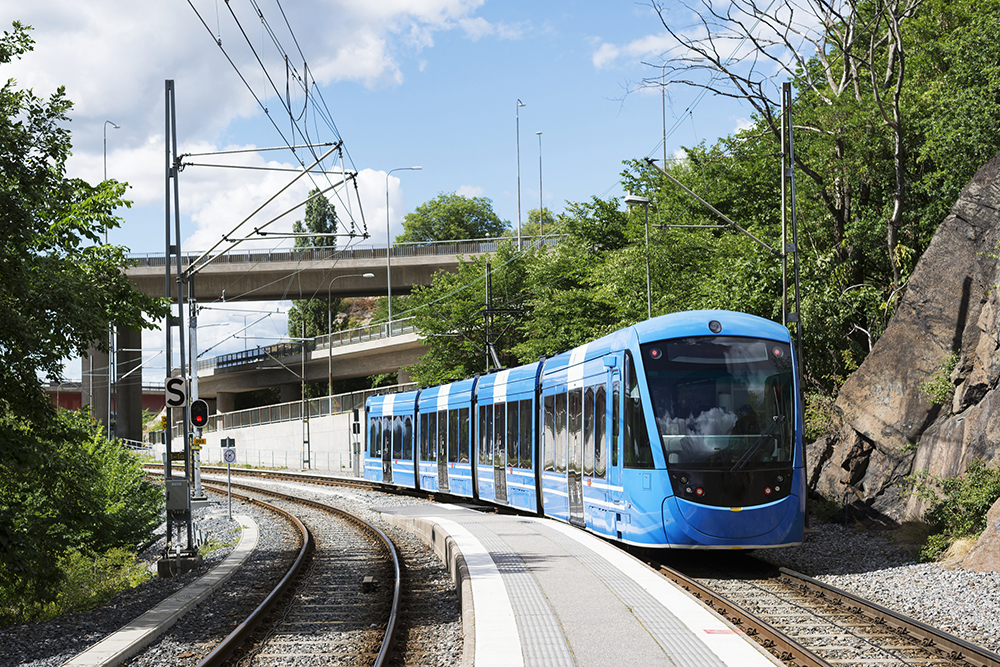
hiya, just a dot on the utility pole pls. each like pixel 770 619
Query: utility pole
pixel 178 495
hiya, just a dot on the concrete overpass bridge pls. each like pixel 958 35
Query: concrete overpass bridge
pixel 309 272
pixel 271 276
pixel 359 352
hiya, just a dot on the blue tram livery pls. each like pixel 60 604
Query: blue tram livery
pixel 683 431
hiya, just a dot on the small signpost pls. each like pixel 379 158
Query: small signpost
pixel 229 456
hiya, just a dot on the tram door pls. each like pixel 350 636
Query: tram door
pixel 442 452
pixel 387 449
pixel 574 455
pixel 500 452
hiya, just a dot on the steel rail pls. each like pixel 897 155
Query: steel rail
pixel 390 633
pixel 775 642
pixel 235 639
pixel 949 646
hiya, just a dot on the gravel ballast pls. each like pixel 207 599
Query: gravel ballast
pixel 867 564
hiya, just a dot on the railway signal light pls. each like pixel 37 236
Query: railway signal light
pixel 199 413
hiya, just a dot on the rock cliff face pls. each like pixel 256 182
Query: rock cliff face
pixel 890 428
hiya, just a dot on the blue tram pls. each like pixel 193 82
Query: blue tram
pixel 684 431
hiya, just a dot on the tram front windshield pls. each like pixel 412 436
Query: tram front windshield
pixel 722 402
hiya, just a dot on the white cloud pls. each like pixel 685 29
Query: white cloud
pixel 605 55
pixel 470 191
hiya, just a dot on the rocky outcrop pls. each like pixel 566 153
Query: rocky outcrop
pixel 985 554
pixel 890 428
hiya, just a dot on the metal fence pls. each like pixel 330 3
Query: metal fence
pixel 269 414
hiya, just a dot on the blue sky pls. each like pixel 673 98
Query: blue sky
pixel 408 82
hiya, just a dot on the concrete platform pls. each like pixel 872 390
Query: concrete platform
pixel 537 592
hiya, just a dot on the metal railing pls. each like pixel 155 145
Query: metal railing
pixel 430 248
pixel 269 414
pixel 336 339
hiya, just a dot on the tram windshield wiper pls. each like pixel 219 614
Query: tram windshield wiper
pixel 778 420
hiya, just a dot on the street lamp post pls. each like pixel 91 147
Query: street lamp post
pixel 388 241
pixel 329 328
pixel 111 330
pixel 517 119
pixel 633 200
pixel 540 209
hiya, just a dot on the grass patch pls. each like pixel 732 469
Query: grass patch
pixel 215 545
pixel 88 581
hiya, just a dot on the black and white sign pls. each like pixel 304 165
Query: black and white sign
pixel 175 392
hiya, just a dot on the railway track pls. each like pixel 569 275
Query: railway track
pixel 801 621
pixel 339 608
pixel 807 623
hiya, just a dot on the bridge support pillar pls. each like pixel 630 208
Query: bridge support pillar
pixel 128 388
pixel 94 391
pixel 225 401
pixel 291 392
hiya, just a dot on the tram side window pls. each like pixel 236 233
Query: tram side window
pixel 513 435
pixel 588 431
pixel 408 437
pixel 525 456
pixel 374 438
pixel 397 437
pixel 575 430
pixel 423 437
pixel 485 434
pixel 548 432
pixel 499 456
pixel 453 435
pixel 432 431
pixel 638 453
pixel 463 435
pixel 560 461
pixel 600 431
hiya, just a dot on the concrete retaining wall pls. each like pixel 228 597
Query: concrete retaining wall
pixel 280 445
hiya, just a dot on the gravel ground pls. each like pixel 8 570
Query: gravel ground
pixel 866 563
pixel 56 641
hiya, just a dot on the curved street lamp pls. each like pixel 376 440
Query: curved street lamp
pixel 388 241
pixel 517 121
pixel 634 200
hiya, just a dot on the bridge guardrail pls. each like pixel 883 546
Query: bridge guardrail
pixel 460 247
pixel 291 349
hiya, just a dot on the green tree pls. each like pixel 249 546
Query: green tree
pixel 315 313
pixel 450 217
pixel 60 289
pixel 451 314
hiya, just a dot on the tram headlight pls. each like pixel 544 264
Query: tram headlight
pixel 715 326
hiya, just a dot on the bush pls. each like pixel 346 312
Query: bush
pixel 74 491
pixel 960 507
pixel 87 581
pixel 938 389
pixel 820 416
